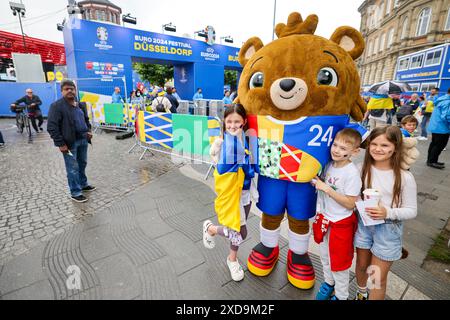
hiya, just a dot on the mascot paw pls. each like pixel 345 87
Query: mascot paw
pixel 410 153
pixel 300 270
pixel 262 260
pixel 214 151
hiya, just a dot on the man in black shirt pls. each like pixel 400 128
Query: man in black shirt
pixel 34 112
pixel 70 129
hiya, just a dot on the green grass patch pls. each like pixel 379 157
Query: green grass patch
pixel 440 250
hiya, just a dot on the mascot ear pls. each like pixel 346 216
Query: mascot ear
pixel 350 40
pixel 249 49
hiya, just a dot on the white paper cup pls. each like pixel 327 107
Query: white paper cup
pixel 372 198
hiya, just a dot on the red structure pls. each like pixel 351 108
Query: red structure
pixel 51 52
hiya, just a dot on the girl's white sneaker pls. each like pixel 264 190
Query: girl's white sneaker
pixel 208 240
pixel 236 271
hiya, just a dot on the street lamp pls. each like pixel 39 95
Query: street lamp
pixel 128 19
pixel 274 13
pixel 228 39
pixel 19 8
pixel 169 27
pixel 60 26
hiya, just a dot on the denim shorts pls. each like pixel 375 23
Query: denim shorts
pixel 383 240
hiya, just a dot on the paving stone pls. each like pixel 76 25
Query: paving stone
pixel 182 251
pixel 119 278
pixel 40 290
pixel 414 294
pixel 97 243
pixel 396 286
pixel 152 224
pixel 23 271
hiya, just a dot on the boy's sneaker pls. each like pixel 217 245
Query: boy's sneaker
pixel 325 292
pixel 208 240
pixel 237 274
pixel 89 188
pixel 361 296
pixel 79 198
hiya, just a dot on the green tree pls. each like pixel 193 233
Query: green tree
pixel 230 78
pixel 156 74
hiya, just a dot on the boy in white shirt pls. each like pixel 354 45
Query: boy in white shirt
pixel 336 223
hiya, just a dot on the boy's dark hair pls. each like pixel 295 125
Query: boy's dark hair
pixel 408 119
pixel 350 136
pixel 435 88
pixel 448 90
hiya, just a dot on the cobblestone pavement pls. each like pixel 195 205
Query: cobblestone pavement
pixel 34 195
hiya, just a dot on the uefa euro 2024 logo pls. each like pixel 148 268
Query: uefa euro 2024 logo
pixel 102 34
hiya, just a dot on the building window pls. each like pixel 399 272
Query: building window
pixel 390 38
pixel 405 28
pixel 447 23
pixel 396 3
pixel 403 64
pixel 414 86
pixel 433 58
pixel 388 6
pixel 369 48
pixel 423 22
pixel 382 40
pixel 97 14
pixel 416 61
pixel 427 86
pixel 113 18
pixel 376 43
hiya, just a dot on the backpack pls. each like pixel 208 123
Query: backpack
pixel 376 112
pixel 160 106
pixel 405 110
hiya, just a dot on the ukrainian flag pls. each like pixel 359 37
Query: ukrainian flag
pixel 229 178
pixel 380 101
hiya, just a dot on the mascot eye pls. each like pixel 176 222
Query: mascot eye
pixel 257 80
pixel 328 77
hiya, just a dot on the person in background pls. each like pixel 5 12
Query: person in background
pixel 172 99
pixel 427 110
pixel 440 130
pixel 175 94
pixel 408 108
pixel 34 112
pixel 227 102
pixel 161 103
pixel 116 97
pixel 2 142
pixel 198 95
pixel 408 126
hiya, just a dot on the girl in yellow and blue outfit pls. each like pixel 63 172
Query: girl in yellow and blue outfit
pixel 233 174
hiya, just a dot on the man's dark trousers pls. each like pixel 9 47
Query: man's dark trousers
pixel 76 165
pixel 438 143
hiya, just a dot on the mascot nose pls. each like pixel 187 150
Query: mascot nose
pixel 287 84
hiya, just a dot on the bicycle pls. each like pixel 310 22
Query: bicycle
pixel 22 119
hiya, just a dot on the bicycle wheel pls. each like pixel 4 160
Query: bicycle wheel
pixel 28 127
pixel 19 124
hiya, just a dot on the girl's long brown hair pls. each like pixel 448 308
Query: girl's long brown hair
pixel 393 135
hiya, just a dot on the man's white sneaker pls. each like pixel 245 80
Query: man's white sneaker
pixel 208 240
pixel 237 274
pixel 422 138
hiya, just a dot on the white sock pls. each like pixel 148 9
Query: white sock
pixel 298 243
pixel 269 238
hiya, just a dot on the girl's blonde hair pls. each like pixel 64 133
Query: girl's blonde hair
pixel 393 135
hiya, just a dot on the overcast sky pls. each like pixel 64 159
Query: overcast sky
pixel 240 19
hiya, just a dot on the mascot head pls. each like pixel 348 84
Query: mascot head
pixel 301 74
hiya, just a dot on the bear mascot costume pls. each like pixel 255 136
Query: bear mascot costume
pixel 299 91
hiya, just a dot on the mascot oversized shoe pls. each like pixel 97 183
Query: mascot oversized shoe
pixel 300 270
pixel 262 259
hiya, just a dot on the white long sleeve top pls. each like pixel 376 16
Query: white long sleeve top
pixel 383 181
